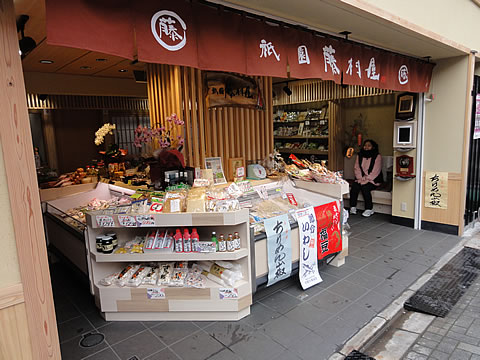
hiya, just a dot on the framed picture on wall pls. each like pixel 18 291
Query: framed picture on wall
pixel 406 104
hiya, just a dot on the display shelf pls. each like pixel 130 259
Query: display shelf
pixel 301 137
pixel 300 121
pixel 178 219
pixel 304 151
pixel 147 257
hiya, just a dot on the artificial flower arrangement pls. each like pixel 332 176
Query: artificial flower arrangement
pixel 163 134
pixel 113 150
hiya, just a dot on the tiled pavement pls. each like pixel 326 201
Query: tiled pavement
pixel 285 322
pixel 457 336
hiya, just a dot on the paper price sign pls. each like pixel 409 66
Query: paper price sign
pixel 145 220
pixel 127 221
pixel 105 221
pixel 228 293
pixel 156 293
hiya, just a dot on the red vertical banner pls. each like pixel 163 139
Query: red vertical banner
pixel 103 26
pixel 265 49
pixel 165 32
pixel 305 59
pixel 220 39
pixel 329 236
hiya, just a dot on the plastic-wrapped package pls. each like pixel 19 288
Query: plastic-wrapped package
pixel 126 274
pixel 151 277
pixel 180 264
pixel 195 279
pixel 178 277
pixel 228 276
pixel 230 265
pixel 209 276
pixel 109 280
pixel 137 278
pixel 165 272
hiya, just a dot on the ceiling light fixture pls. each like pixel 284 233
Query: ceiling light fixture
pixel 46 61
pixel 85 67
pixel 26 43
pixel 101 60
pixel 122 70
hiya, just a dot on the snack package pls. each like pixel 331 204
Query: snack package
pixel 137 278
pixel 230 277
pixel 165 272
pixel 209 276
pixel 175 201
pixel 151 277
pixel 196 200
pixel 178 277
pixel 195 279
pixel 126 274
pixel 108 280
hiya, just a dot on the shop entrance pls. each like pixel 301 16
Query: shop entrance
pixel 473 179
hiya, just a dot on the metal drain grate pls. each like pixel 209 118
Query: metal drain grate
pixel 438 295
pixel 91 340
pixel 357 355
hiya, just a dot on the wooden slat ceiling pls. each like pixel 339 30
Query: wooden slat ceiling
pixel 66 60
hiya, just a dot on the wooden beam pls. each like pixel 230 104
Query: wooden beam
pixel 17 148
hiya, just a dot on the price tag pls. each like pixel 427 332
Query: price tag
pixel 228 293
pixel 307 122
pixel 127 221
pixel 240 172
pixel 156 293
pixel 105 221
pixel 145 220
pixel 291 199
pixel 262 192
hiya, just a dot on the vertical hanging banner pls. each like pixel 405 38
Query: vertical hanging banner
pixel 305 59
pixel 307 229
pixel 103 26
pixel 165 32
pixel 329 238
pixel 279 248
pixel 436 189
pixel 476 130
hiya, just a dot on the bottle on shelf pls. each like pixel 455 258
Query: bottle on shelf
pixel 222 243
pixel 187 242
pixel 215 240
pixel 230 243
pixel 195 240
pixel 114 239
pixel 98 240
pixel 107 245
pixel 178 241
pixel 236 239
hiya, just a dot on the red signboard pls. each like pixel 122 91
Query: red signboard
pixel 304 57
pixel 329 237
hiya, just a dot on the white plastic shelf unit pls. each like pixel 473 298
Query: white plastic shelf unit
pixel 133 304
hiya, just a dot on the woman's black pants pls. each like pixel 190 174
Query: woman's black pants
pixel 366 192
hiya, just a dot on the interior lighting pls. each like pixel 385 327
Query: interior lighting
pixel 46 61
pixel 122 70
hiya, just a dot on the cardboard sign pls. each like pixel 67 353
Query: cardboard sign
pixel 329 238
pixel 127 221
pixel 228 293
pixel 156 293
pixel 279 248
pixel 145 220
pixel 307 227
pixel 436 189
pixel 105 221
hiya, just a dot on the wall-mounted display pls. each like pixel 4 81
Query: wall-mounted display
pixel 405 134
pixel 406 104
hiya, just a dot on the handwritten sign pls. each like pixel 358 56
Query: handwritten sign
pixel 228 293
pixel 329 239
pixel 279 248
pixel 156 293
pixel 105 221
pixel 436 189
pixel 145 220
pixel 127 221
pixel 307 228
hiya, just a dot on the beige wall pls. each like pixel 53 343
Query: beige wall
pixel 378 113
pixel 9 270
pixel 455 20
pixel 61 84
pixel 444 117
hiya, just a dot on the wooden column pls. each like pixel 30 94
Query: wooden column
pixel 17 148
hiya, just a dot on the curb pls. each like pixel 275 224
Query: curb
pixel 381 323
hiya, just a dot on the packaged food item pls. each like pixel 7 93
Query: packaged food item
pixel 114 239
pixel 126 274
pixel 214 239
pixel 165 272
pixel 237 242
pixel 98 241
pixel 180 264
pixel 195 279
pixel 178 241
pixel 230 277
pixel 151 277
pixel 120 250
pixel 230 243
pixel 178 277
pixel 209 276
pixel 109 280
pixel 196 200
pixel 137 278
pixel 175 201
pixel 195 240
pixel 107 245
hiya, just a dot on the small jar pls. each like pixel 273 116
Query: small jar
pixel 98 241
pixel 107 245
pixel 114 239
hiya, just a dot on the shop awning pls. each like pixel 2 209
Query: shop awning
pixel 214 38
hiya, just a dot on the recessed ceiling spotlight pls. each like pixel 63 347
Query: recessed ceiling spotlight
pixel 85 67
pixel 122 70
pixel 100 60
pixel 46 61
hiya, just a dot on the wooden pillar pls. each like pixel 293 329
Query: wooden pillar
pixel 26 213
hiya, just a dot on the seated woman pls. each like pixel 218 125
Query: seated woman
pixel 368 176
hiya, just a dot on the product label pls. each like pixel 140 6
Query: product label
pixel 291 199
pixel 230 245
pixel 178 245
pixel 156 207
pixel 105 221
pixel 145 220
pixel 222 246
pixel 107 248
pixel 156 293
pixel 127 221
pixel 216 270
pixel 228 293
pixel 237 243
pixel 187 245
pixel 175 205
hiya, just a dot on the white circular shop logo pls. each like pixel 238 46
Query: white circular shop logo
pixel 167 25
pixel 403 74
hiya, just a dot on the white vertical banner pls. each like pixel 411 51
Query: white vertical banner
pixel 307 230
pixel 279 248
